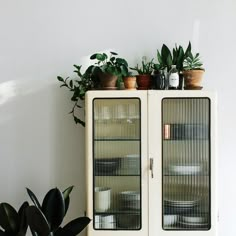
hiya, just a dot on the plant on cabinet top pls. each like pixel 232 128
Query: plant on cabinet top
pixel 109 64
pixel 193 62
pixel 146 67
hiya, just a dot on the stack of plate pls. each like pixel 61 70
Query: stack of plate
pixel 185 169
pixel 106 166
pixel 180 204
pixel 194 222
pixel 129 200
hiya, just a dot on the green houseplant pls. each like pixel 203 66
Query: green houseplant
pixel 144 73
pixel 12 222
pixel 193 71
pixel 108 68
pixel 83 82
pixel 46 219
pixel 167 59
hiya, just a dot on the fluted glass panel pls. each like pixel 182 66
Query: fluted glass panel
pixel 116 164
pixel 186 164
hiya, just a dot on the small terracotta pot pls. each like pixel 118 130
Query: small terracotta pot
pixel 193 78
pixel 144 82
pixel 130 82
pixel 108 81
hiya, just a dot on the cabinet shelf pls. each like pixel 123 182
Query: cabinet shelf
pixel 187 175
pixel 118 175
pixel 119 212
pixel 115 139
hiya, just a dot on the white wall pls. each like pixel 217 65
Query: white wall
pixel 40 146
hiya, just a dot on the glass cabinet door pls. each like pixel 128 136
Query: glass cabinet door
pixel 116 164
pixel 186 164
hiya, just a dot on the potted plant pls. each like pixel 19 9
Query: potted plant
pixel 129 81
pixel 46 219
pixel 84 82
pixel 193 71
pixel 168 60
pixel 12 222
pixel 144 73
pixel 108 69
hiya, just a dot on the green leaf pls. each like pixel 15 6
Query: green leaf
pixel 37 221
pixel 33 198
pixel 188 50
pixel 105 55
pixel 114 53
pixel 159 57
pixel 71 83
pixel 67 191
pixel 9 219
pixel 60 78
pixel 22 215
pixel 100 57
pixel 166 55
pixel 169 61
pixel 79 121
pixel 74 227
pixel 94 56
pixel 53 207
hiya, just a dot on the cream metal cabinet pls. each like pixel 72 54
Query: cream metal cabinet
pixel 150 162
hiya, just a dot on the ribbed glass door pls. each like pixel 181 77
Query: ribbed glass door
pixel 186 164
pixel 116 164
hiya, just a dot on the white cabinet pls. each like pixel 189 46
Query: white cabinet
pixel 151 163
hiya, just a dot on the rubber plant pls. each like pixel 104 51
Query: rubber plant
pixel 46 219
pixel 12 222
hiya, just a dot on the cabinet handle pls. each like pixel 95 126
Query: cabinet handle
pixel 151 166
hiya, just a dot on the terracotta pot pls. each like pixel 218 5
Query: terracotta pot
pixel 144 82
pixel 108 81
pixel 193 78
pixel 130 82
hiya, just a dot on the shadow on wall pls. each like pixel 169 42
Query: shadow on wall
pixel 40 146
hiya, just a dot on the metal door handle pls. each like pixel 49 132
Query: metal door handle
pixel 151 166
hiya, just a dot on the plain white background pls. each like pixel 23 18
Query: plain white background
pixel 40 146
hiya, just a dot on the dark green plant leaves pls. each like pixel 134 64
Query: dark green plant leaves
pixel 101 57
pixel 9 219
pixel 79 121
pixel 2 233
pixel 67 191
pixel 60 78
pixel 94 56
pixel 66 195
pixel 37 221
pixel 74 227
pixel 23 221
pixel 53 207
pixel 33 198
pixel 166 56
pixel 114 53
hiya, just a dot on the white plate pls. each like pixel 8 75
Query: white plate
pixel 185 169
pixel 193 219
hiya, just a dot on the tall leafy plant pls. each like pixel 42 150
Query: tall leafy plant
pixel 13 222
pixel 46 218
